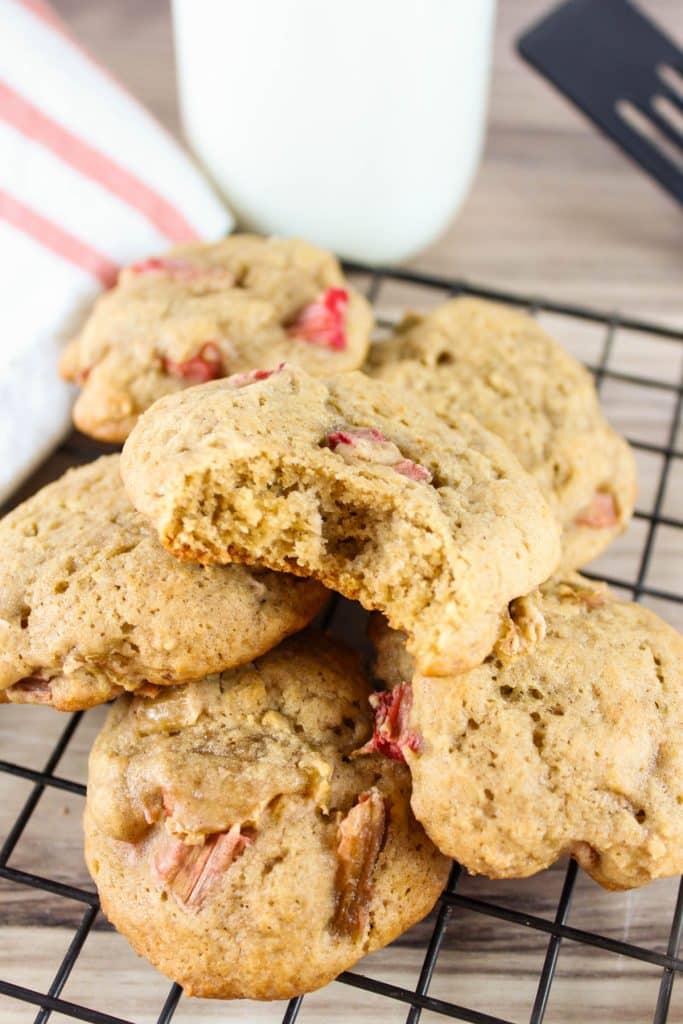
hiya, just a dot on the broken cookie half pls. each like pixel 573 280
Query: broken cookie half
pixel 228 827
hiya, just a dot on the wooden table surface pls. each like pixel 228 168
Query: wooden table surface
pixel 555 211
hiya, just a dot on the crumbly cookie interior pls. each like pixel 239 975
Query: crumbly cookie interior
pixel 342 481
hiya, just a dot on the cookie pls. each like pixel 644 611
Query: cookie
pixel 391 663
pixel 502 367
pixel 91 603
pixel 566 740
pixel 350 482
pixel 204 311
pixel 236 842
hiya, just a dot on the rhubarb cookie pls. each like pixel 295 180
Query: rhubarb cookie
pixel 566 740
pixel 228 827
pixel 204 311
pixel 502 367
pixel 352 483
pixel 91 603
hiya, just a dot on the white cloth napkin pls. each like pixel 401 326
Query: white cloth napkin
pixel 88 181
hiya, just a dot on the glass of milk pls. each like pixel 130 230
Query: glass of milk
pixel 356 125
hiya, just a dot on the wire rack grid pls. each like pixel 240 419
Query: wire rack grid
pixel 457 908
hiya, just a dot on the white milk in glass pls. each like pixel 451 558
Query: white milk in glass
pixel 356 125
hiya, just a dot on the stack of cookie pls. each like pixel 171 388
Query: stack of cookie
pixel 258 817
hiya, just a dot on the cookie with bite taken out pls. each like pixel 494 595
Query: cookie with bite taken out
pixel 350 482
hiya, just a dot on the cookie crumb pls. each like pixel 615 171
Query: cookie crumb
pixel 523 629
pixel 601 514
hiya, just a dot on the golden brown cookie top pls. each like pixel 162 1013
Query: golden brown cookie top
pixel 501 366
pixel 228 825
pixel 91 603
pixel 351 482
pixel 566 740
pixel 204 311
pixel 214 753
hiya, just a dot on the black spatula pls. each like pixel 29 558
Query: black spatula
pixel 623 72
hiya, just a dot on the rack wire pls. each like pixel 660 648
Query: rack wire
pixel 455 907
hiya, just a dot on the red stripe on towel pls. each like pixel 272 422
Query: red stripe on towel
pixel 34 124
pixel 46 13
pixel 52 237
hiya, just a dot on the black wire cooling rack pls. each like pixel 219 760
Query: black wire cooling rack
pixel 458 909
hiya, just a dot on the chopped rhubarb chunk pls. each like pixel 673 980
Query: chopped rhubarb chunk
pixel 225 851
pixel 360 839
pixel 149 814
pixel 170 857
pixel 179 270
pixel 189 871
pixel 206 365
pixel 157 265
pixel 243 380
pixel 353 437
pixel 413 470
pixel 601 513
pixel 370 445
pixel 323 322
pixel 32 690
pixel 391 733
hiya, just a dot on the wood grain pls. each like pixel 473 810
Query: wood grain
pixel 555 210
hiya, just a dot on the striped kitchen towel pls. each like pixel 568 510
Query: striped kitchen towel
pixel 88 181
